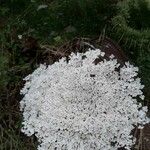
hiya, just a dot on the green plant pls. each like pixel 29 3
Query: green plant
pixel 3 70
pixel 131 28
pixel 89 17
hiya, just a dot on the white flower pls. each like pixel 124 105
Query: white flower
pixel 83 106
pixel 41 7
pixel 112 56
pixel 19 37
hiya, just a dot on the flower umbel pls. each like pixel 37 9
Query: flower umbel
pixel 82 106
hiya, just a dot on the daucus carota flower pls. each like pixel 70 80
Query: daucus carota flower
pixel 82 106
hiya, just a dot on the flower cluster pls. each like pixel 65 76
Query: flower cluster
pixel 82 106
